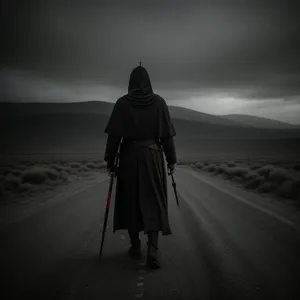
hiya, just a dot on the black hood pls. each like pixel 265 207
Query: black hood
pixel 140 89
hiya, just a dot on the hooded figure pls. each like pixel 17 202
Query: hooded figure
pixel 141 118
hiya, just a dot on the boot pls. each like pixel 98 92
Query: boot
pixel 135 250
pixel 152 255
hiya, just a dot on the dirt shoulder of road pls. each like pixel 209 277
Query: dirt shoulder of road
pixel 277 180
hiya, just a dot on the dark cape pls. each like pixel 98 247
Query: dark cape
pixel 141 201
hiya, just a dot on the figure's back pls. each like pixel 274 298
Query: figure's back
pixel 140 113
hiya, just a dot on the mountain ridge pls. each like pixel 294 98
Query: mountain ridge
pixel 104 107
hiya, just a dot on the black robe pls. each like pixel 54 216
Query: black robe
pixel 141 202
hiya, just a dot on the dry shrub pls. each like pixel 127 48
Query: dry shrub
pixel 226 176
pixel 68 169
pixel 199 165
pixel 238 179
pixel 233 171
pixel 279 175
pixel 63 176
pixel 12 182
pixel 91 165
pixel 25 187
pixel 57 167
pixel 28 163
pixel 75 165
pixel 101 165
pixel 21 167
pixel 5 170
pixel 238 171
pixel 17 172
pixel 38 175
pixel 287 189
pixel 84 169
pixel 231 164
pixel 254 183
pixel 255 166
pixel 211 168
pixel 266 187
pixel 222 168
pixel 51 174
pixel 296 167
pixel 265 170
pixel 2 190
pixel 297 184
pixel 35 176
pixel 251 175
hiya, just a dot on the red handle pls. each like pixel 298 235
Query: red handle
pixel 108 200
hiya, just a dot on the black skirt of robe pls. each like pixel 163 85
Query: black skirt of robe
pixel 141 192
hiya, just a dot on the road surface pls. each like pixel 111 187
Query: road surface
pixel 226 244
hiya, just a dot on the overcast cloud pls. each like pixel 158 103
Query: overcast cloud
pixel 213 56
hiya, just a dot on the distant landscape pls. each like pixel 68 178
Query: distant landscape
pixel 49 143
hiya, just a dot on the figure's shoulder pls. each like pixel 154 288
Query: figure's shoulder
pixel 119 102
pixel 160 100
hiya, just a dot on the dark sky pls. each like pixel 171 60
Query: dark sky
pixel 198 53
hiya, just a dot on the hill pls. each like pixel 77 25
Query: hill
pixel 104 108
pixel 258 122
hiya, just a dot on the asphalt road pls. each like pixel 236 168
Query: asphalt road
pixel 226 244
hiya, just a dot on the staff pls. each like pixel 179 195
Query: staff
pixel 112 175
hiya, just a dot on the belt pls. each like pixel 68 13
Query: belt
pixel 141 143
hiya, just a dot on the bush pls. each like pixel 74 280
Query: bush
pixel 12 182
pixel 265 170
pixel 251 175
pixel 199 165
pixel 35 176
pixel 296 167
pixel 287 189
pixel 231 164
pixel 91 165
pixel 17 172
pixel 21 167
pixel 211 168
pixel 266 187
pixel 51 174
pixel 233 171
pixel 254 183
pixel 75 165
pixel 84 169
pixel 25 187
pixel 238 179
pixel 238 171
pixel 101 165
pixel 2 191
pixel 5 170
pixel 57 167
pixel 222 169
pixel 279 175
pixel 28 163
pixel 64 176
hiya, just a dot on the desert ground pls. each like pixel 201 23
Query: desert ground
pixel 237 226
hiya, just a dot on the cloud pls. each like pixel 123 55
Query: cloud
pixel 240 50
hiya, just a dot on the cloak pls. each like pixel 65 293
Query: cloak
pixel 140 113
pixel 141 200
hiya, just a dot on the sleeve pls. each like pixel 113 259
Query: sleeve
pixel 169 150
pixel 111 149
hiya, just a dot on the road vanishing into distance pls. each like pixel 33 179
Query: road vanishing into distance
pixel 227 243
